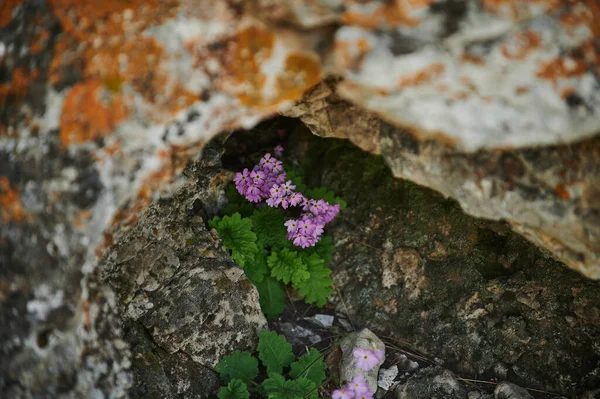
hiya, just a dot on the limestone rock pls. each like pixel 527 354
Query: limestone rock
pixel 432 383
pixel 364 339
pixel 506 390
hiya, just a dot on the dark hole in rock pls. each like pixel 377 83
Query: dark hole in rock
pixel 43 337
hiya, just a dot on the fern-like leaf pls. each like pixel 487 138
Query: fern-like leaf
pixel 277 387
pixel 324 194
pixel 309 366
pixel 287 266
pixel 257 268
pixel 268 224
pixel 236 389
pixel 317 288
pixel 236 233
pixel 239 365
pixel 274 351
pixel 271 296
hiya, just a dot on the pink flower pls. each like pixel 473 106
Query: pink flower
pixel 359 385
pixel 292 226
pixel 364 395
pixel 343 394
pixel 267 162
pixel 296 198
pixel 278 151
pixel 380 354
pixel 365 359
pixel 288 187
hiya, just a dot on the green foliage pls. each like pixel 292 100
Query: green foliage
pixel 324 248
pixel 268 224
pixel 271 296
pixel 277 387
pixel 317 288
pixel 274 351
pixel 236 389
pixel 236 233
pixel 236 203
pixel 306 375
pixel 287 266
pixel 296 175
pixel 257 268
pixel 309 366
pixel 240 365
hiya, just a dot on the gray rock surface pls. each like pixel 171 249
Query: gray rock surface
pixel 184 303
pixel 548 194
pixel 506 390
pixel 413 267
pixel 432 383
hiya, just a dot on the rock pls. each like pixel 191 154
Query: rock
pixel 387 377
pixel 364 339
pixel 506 390
pixel 432 383
pixel 547 194
pixel 184 303
pixel 489 303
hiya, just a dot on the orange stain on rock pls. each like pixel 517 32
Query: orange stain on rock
pixel 425 75
pixel 562 192
pixel 89 111
pixel 252 47
pixel 521 44
pixel 392 14
pixel 6 9
pixel 468 58
pixel 574 64
pixel 11 208
pixel 518 9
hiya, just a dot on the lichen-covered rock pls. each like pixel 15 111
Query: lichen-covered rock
pixel 364 339
pixel 432 383
pixel 184 303
pixel 506 390
pixel 412 266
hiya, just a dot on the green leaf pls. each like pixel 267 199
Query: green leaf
pixel 236 233
pixel 317 288
pixel 236 389
pixel 324 248
pixel 257 268
pixel 277 387
pixel 274 351
pixel 296 175
pixel 271 296
pixel 237 203
pixel 268 224
pixel 239 365
pixel 309 366
pixel 287 266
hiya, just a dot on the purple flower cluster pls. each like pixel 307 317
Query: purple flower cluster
pixel 267 182
pixel 358 388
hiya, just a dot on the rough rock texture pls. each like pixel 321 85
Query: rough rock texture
pixel 412 267
pixel 432 383
pixel 506 390
pixel 364 339
pixel 103 103
pixel 184 303
pixel 548 194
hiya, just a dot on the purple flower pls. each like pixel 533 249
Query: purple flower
pixel 365 359
pixel 276 191
pixel 278 151
pixel 280 178
pixel 380 354
pixel 258 177
pixel 364 395
pixel 306 227
pixel 343 394
pixel 295 198
pixel 288 187
pixel 267 162
pixel 274 201
pixel 359 385
pixel 292 225
pixel 277 166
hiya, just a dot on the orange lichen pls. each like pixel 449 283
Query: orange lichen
pixel 6 9
pixel 81 218
pixel 520 90
pixel 252 47
pixel 471 59
pixel 565 92
pixel 11 208
pixel 577 62
pixel 425 75
pixel 89 111
pixel 392 14
pixel 562 192
pixel 521 44
pixel 19 84
pixel 518 9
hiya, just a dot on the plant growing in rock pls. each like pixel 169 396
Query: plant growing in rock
pixel 280 240
pixel 287 377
